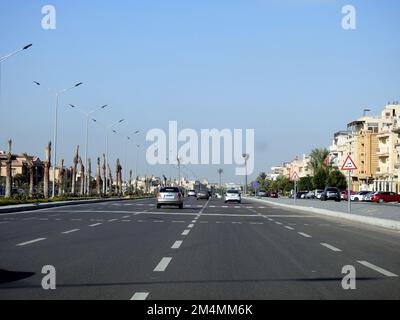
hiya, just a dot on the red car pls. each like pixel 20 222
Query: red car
pixel 344 195
pixel 274 195
pixel 381 197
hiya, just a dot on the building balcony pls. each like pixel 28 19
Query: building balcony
pixel 383 152
pixel 383 134
pixel 396 129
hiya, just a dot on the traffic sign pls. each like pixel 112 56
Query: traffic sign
pixel 256 184
pixel 349 164
pixel 295 176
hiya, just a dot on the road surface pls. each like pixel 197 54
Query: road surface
pixel 209 250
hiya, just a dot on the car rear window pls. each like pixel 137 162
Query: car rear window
pixel 232 191
pixel 169 189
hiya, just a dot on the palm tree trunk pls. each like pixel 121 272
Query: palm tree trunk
pixel 46 177
pixel 74 171
pixel 82 186
pixel 110 179
pixel 8 191
pixel 61 178
pixel 98 178
pixel 89 173
pixel 104 173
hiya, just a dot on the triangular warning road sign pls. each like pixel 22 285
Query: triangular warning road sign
pixel 349 164
pixel 295 176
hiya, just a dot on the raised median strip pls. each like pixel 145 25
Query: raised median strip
pixel 378 222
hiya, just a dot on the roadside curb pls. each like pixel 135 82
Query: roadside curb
pixel 378 222
pixel 39 206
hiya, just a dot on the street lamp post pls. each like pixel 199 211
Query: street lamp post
pixel 87 115
pixel 128 138
pixel 58 93
pixel 8 56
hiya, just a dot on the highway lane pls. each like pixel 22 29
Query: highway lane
pixel 208 250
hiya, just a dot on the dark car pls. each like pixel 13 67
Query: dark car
pixel 203 194
pixel 274 195
pixel 381 197
pixel 331 194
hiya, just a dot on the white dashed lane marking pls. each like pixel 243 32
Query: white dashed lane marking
pixel 163 264
pixel 70 231
pixel 177 245
pixel 305 235
pixel 30 242
pixel 140 296
pixel 377 269
pixel 326 245
pixel 185 233
pixel 95 225
pixel 289 228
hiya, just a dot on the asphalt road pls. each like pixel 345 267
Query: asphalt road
pixel 209 250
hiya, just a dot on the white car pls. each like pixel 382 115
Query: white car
pixel 359 196
pixel 192 193
pixel 233 196
pixel 318 193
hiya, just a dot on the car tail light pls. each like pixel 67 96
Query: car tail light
pixel 158 195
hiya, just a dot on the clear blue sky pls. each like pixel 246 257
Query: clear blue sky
pixel 283 67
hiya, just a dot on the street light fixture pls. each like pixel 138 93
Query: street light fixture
pixel 57 93
pixel 87 115
pixel 8 56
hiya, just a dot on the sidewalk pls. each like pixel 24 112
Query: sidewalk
pixel 382 215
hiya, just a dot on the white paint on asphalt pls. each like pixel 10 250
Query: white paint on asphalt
pixel 331 247
pixel 191 225
pixel 185 233
pixel 112 220
pixel 176 221
pixel 76 219
pixel 194 221
pixel 278 223
pixel 125 217
pixel 289 228
pixel 377 269
pixel 176 245
pixel 70 231
pixel 163 264
pixel 30 242
pixel 158 221
pixel 140 296
pixel 204 207
pixel 305 235
pixel 256 222
pixel 95 224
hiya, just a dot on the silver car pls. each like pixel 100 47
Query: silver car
pixel 233 196
pixel 169 196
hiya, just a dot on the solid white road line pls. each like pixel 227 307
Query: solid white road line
pixel 70 231
pixel 304 234
pixel 378 269
pixel 158 221
pixel 95 224
pixel 279 223
pixel 289 228
pixel 176 221
pixel 140 296
pixel 194 221
pixel 163 264
pixel 191 225
pixel 30 242
pixel 331 247
pixel 185 233
pixel 176 245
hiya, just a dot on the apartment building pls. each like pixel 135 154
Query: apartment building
pixel 387 175
pixel 342 146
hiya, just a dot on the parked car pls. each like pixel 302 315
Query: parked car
pixel 331 194
pixel 344 194
pixel 233 196
pixel 318 193
pixel 274 195
pixel 301 194
pixel 202 194
pixel 262 193
pixel 368 197
pixel 191 193
pixel 169 196
pixel 310 195
pixel 381 197
pixel 359 196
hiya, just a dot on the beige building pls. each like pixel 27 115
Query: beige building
pixel 342 146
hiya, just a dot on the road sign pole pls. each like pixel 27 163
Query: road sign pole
pixel 349 193
pixel 295 193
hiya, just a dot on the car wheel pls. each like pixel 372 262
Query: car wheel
pixel 181 206
pixel 381 201
pixel 158 206
pixel 356 199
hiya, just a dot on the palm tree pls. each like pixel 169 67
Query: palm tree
pixel 318 158
pixel 74 170
pixel 8 192
pixel 89 177
pixel 31 169
pixel 130 180
pixel 118 177
pixel 47 164
pixel 98 178
pixel 110 179
pixel 61 178
pixel 82 174
pixel 104 173
pixel 220 172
